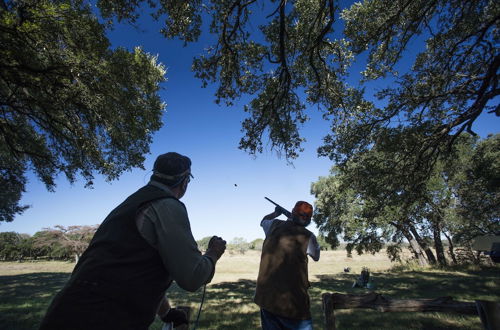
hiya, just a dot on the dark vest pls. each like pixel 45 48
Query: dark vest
pixel 122 265
pixel 282 283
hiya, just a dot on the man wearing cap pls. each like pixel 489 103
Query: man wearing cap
pixel 143 245
pixel 283 283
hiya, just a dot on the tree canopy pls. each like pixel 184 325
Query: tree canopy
pixel 68 105
pixel 71 239
pixel 369 204
pixel 68 102
pixel 300 52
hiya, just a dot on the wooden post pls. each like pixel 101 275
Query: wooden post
pixel 489 312
pixel 328 311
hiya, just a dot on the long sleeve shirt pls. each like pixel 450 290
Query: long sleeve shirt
pixel 164 224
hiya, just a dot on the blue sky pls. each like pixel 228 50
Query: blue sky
pixel 226 197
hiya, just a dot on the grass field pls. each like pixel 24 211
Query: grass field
pixel 27 288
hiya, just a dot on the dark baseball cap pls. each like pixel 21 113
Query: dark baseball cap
pixel 171 168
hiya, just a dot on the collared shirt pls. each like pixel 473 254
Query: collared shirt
pixel 164 224
pixel 313 248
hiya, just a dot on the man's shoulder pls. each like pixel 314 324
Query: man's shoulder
pixel 290 227
pixel 158 188
pixel 310 232
pixel 164 198
pixel 169 201
pixel 269 222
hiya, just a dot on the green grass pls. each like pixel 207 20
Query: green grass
pixel 27 288
pixel 25 297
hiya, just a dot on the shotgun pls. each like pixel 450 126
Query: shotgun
pixel 281 209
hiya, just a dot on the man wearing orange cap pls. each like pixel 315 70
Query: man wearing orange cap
pixel 283 282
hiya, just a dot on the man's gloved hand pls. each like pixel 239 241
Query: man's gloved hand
pixel 175 316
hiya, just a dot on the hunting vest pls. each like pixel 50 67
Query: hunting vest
pixel 282 283
pixel 119 265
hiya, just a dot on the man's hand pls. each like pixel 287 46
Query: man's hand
pixel 278 210
pixel 175 316
pixel 216 247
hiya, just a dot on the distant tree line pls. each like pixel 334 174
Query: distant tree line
pixel 237 244
pixel 68 243
pixel 58 243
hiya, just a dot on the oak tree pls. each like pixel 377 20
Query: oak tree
pixel 434 63
pixel 68 102
pixel 369 202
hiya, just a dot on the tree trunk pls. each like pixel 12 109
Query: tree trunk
pixel 451 250
pixel 414 246
pixel 438 244
pixel 77 257
pixel 422 261
pixel 428 252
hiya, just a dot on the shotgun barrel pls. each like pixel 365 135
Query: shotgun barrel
pixel 283 210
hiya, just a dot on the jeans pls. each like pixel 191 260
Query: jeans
pixel 273 322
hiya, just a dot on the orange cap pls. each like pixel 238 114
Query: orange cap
pixel 303 209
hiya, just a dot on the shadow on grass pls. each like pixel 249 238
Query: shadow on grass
pixel 24 298
pixel 229 305
pixel 468 286
pixel 463 286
